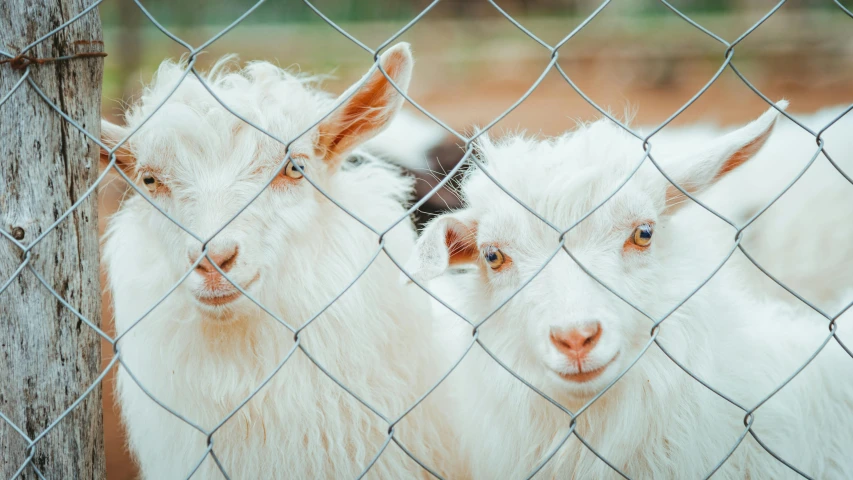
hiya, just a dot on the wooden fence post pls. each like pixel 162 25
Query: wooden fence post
pixel 48 356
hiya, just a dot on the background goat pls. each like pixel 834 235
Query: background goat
pixel 804 238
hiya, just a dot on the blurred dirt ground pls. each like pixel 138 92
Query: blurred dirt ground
pixel 469 73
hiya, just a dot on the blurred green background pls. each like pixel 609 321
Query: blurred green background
pixel 467 51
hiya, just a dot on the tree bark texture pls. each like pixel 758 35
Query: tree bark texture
pixel 48 356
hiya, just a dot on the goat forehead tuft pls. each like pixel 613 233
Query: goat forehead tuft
pixel 271 97
pixel 562 178
pixel 193 126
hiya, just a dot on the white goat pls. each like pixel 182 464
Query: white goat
pixel 804 238
pixel 571 338
pixel 207 347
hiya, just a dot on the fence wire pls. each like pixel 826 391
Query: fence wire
pixel 23 63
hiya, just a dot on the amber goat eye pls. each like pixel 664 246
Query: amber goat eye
pixel 494 257
pixel 292 171
pixel 642 236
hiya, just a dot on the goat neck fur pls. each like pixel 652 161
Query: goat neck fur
pixel 656 421
pixel 296 252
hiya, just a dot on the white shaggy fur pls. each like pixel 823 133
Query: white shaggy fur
pixel 804 238
pixel 297 250
pixel 656 421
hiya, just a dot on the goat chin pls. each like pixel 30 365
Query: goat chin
pixel 656 421
pixel 300 423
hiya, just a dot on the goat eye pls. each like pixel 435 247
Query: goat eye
pixel 642 236
pixel 292 171
pixel 494 257
pixel 151 183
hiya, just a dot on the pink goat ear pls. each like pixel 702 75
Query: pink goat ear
pixel 447 240
pixel 367 111
pixel 699 170
pixel 111 134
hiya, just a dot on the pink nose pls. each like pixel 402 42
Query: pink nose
pixel 577 343
pixel 224 259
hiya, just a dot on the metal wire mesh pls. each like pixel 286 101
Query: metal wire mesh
pixel 22 62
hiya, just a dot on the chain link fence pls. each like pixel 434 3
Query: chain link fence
pixel 22 63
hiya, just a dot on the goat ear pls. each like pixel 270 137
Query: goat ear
pixel 704 168
pixel 110 136
pixel 447 240
pixel 368 110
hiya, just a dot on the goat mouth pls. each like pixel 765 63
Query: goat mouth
pixel 218 298
pixel 588 375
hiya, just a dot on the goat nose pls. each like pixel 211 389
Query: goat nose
pixel 577 343
pixel 224 259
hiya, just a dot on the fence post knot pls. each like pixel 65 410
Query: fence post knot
pixel 20 62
